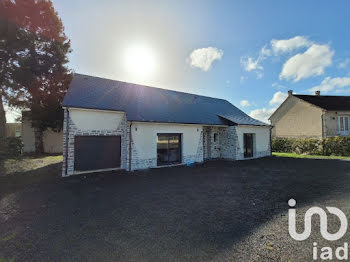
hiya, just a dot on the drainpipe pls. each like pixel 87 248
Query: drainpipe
pixel 271 140
pixel 130 154
pixel 67 138
pixel 323 123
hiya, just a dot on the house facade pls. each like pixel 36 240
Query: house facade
pixel 312 116
pixel 116 125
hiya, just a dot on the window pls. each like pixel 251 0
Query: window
pixel 168 149
pixel 215 137
pixel 343 124
pixel 18 133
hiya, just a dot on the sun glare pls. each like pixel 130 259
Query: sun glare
pixel 140 61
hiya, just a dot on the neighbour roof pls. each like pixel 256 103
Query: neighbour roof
pixel 331 103
pixel 149 104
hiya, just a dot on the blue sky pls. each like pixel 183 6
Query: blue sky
pixel 248 52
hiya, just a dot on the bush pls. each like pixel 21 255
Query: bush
pixel 339 146
pixel 11 147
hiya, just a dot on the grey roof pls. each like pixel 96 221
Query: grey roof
pixel 150 104
pixel 331 103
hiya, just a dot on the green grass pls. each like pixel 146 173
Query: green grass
pixel 6 259
pixel 9 237
pixel 294 155
pixel 25 164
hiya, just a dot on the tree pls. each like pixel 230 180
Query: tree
pixel 34 71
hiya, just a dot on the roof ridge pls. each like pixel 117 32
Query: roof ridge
pixel 175 91
pixel 319 95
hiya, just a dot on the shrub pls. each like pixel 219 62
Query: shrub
pixel 283 145
pixel 339 146
pixel 11 147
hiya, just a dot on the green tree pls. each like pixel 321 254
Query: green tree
pixel 34 73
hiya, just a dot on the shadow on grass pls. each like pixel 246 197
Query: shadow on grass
pixel 163 214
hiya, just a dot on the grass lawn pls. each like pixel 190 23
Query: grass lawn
pixel 27 163
pixel 294 155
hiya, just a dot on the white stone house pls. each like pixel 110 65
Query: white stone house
pixel 112 125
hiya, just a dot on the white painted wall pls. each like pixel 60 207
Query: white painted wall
pixel 88 120
pixel 52 140
pixel 28 137
pixel 144 136
pixel 261 140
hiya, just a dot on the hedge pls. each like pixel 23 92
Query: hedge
pixel 338 146
pixel 11 147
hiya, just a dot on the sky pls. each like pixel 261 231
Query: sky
pixel 247 52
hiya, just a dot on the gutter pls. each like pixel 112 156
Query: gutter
pixel 322 125
pixel 271 140
pixel 67 138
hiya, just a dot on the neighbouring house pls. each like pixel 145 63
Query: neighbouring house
pixel 13 129
pixel 52 140
pixel 312 116
pixel 116 125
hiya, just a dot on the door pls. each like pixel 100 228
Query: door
pixel 168 149
pixel 248 145
pixel 96 152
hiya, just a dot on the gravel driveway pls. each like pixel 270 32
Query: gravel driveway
pixel 217 211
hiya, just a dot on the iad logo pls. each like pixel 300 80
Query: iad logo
pixel 323 222
pixel 326 253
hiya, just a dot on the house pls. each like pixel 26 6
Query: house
pixel 52 140
pixel 13 129
pixel 111 125
pixel 317 116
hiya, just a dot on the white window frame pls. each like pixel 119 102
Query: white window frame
pixel 343 125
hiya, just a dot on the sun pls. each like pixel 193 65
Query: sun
pixel 140 61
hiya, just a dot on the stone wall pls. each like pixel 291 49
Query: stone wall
pixel 231 142
pixel 212 149
pixel 229 145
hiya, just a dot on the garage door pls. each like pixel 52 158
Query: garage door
pixel 96 152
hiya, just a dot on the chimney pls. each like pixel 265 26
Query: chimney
pixel 317 93
pixel 290 92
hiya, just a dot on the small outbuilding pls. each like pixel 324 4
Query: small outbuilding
pixel 112 125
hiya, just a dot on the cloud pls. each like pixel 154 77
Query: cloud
pixel 288 45
pixel 204 57
pixel 262 114
pixel 310 63
pixel 329 84
pixel 254 64
pixel 251 64
pixel 344 64
pixel 265 51
pixel 278 86
pixel 278 98
pixel 245 103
